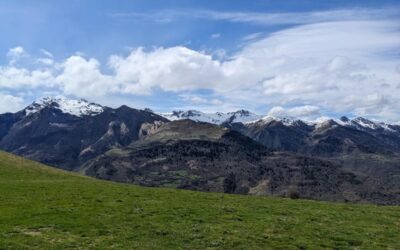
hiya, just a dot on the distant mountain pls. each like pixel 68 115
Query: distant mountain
pixel 238 152
pixel 218 118
pixel 66 133
pixel 67 106
pixel 325 137
pixel 328 137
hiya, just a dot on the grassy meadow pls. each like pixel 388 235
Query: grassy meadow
pixel 45 208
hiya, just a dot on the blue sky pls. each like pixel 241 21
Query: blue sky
pixel 302 58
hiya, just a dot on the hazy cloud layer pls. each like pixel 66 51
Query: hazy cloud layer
pixel 265 19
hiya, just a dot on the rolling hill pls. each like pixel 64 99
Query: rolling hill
pixel 47 208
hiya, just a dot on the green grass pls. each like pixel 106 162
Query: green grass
pixel 44 208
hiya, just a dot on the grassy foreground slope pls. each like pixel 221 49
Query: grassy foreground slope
pixel 45 208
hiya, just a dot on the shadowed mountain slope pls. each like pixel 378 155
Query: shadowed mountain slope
pixel 206 157
pixel 58 138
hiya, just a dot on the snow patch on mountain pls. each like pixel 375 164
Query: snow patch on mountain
pixel 82 107
pixel 242 116
pixel 365 123
pixel 79 107
pixel 285 120
pixel 246 117
pixel 326 123
pixel 343 121
pixel 359 123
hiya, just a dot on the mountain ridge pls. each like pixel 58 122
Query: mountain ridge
pixel 81 107
pixel 274 155
pixel 64 139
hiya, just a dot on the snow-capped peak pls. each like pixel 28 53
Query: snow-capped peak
pixel 79 107
pixel 249 118
pixel 368 124
pixel 285 120
pixel 359 123
pixel 215 118
pixel 242 116
pixel 363 122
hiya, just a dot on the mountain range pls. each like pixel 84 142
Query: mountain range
pixel 355 160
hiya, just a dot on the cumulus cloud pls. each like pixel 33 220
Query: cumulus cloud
pixel 16 75
pixel 82 77
pixel 14 54
pixel 9 103
pixel 171 69
pixel 321 63
pixel 17 78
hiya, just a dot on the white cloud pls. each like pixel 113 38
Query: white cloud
pixel 81 77
pixel 252 36
pixel 339 72
pixel 45 61
pixel 346 66
pixel 171 69
pixel 265 18
pixel 20 76
pixel 46 53
pixel 327 63
pixel 277 111
pixel 14 54
pixel 307 112
pixel 16 78
pixel 199 100
pixel 294 17
pixel 9 103
pixel 215 36
pixel 219 54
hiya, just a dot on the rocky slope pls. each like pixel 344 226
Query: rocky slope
pixel 65 133
pixel 325 138
pixel 201 156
